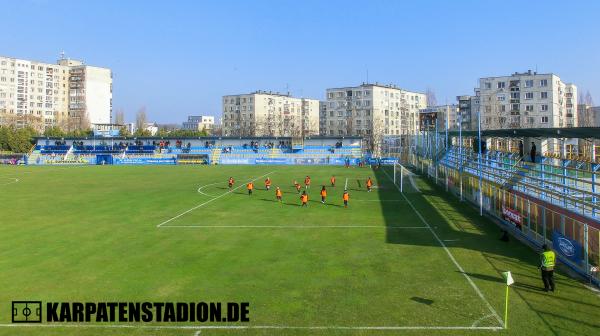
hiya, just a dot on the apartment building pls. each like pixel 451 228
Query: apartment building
pixel 323 118
pixel 263 113
pixel 526 100
pixel 199 123
pixel 373 111
pixel 468 110
pixel 439 116
pixel 33 93
pixel 90 93
pixel 41 95
pixel 587 115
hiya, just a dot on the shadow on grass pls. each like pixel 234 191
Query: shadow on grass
pixel 459 221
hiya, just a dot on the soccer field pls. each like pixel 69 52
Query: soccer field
pixel 417 262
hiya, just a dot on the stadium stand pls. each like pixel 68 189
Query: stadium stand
pixel 317 150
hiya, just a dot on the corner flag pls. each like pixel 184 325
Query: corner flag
pixel 509 281
pixel 508 277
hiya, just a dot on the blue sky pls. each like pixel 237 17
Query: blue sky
pixel 178 58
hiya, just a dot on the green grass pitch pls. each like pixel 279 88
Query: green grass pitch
pixel 152 233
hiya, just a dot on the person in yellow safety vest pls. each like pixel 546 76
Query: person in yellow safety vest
pixel 548 259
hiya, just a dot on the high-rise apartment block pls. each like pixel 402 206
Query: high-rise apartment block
pixel 90 92
pixel 468 109
pixel 373 111
pixel 68 94
pixel 525 100
pixel 264 113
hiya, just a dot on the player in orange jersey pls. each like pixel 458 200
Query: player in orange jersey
pixel 346 198
pixel 369 184
pixel 250 187
pixel 304 199
pixel 323 194
pixel 307 182
pixel 278 195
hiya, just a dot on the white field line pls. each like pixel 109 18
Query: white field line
pixel 481 320
pixel 346 184
pixel 211 200
pixel 207 185
pixel 296 226
pixel 241 327
pixel 16 180
pixel 458 266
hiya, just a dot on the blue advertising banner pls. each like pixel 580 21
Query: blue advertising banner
pixel 271 161
pixel 566 247
pixel 236 161
pixel 144 161
pixel 384 161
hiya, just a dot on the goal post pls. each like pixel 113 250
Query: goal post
pixel 399 175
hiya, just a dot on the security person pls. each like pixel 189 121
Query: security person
pixel 548 259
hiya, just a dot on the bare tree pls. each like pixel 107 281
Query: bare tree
pixel 376 136
pixel 431 99
pixel 21 121
pixel 120 117
pixel 84 121
pixel 140 118
pixel 585 110
pixel 588 99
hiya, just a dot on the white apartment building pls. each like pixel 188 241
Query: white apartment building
pixel 33 93
pixel 90 92
pixel 43 95
pixel 199 123
pixel 264 113
pixel 373 111
pixel 526 100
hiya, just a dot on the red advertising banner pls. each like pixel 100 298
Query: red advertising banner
pixel 512 215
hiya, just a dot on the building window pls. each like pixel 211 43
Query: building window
pixel 529 108
pixel 528 95
pixel 488 85
pixel 544 95
pixel 501 85
pixel 529 83
pixel 544 120
pixel 544 108
pixel 543 82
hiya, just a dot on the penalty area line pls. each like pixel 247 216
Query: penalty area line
pixel 239 327
pixel 451 256
pixel 211 200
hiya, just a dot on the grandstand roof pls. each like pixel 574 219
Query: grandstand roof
pixel 571 132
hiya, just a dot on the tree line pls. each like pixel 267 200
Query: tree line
pixel 20 140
